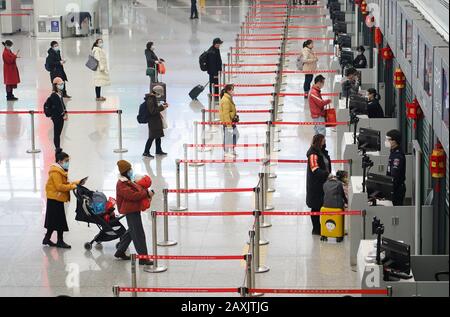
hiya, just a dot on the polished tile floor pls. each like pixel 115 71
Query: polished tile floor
pixel 296 259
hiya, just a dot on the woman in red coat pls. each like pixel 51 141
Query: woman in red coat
pixel 10 70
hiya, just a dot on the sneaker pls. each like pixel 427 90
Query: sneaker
pixel 122 256
pixel 63 245
pixel 145 262
pixel 148 155
pixel 48 242
pixel 12 98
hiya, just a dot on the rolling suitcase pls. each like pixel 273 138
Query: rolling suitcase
pixel 331 226
pixel 163 98
pixel 196 91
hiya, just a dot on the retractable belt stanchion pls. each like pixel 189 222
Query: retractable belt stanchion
pixel 211 107
pixel 248 273
pixel 166 242
pixel 116 291
pixel 267 174
pixel 133 274
pixel 258 267
pixel 363 215
pixel 178 207
pixel 33 136
pixel 263 200
pixel 155 268
pixel 251 234
pixel 120 149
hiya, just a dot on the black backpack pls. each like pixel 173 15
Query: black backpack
pixel 143 115
pixel 48 108
pixel 203 60
pixel 47 65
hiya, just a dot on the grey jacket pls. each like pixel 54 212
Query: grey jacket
pixel 334 194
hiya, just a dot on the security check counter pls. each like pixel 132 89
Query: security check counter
pixel 399 221
pixel 427 271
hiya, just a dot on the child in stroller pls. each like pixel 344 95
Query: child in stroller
pixel 109 225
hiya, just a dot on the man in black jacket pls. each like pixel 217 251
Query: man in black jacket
pixel 214 65
pixel 194 11
pixel 55 65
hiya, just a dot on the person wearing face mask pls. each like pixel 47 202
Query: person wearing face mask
pixel 318 169
pixel 128 197
pixel 350 84
pixel 309 64
pixel 155 121
pixel 101 75
pixel 227 112
pixel 396 166
pixel 55 65
pixel 317 104
pixel 360 61
pixel 10 71
pixel 214 65
pixel 58 192
pixel 152 61
pixel 374 109
pixel 58 111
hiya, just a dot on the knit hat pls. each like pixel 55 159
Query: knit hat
pixel 395 135
pixel 217 41
pixel 123 166
pixel 158 91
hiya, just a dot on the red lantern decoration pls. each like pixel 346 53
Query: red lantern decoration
pixel 378 36
pixel 364 7
pixel 437 162
pixel 358 2
pixel 386 53
pixel 413 111
pixel 399 79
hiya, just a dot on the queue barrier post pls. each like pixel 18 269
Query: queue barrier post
pixel 263 199
pixel 166 242
pixel 363 215
pixel 251 234
pixel 119 118
pixel 116 291
pixel 155 268
pixel 243 291
pixel 203 149
pixel 258 267
pixel 33 136
pixel 266 178
pixel 389 291
pixel 178 207
pixel 133 274
pixel 248 273
pixel 186 167
pixel 229 66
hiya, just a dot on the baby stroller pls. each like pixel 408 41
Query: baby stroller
pixel 108 224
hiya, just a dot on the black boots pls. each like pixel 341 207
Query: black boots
pixel 122 256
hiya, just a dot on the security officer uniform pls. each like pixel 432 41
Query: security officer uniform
pixel 397 170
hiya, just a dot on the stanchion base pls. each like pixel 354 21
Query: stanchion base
pixel 181 208
pixel 261 242
pixel 271 190
pixel 266 225
pixel 256 294
pixel 262 269
pixel 197 164
pixel 120 151
pixel 276 150
pixel 272 175
pixel 167 243
pixel 33 151
pixel 269 207
pixel 158 269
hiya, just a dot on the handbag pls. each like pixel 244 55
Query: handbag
pixel 236 118
pixel 330 116
pixel 92 63
pixel 162 68
pixel 163 120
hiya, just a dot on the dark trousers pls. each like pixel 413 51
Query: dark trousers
pixel 58 125
pixel 48 235
pixel 315 220
pixel 134 233
pixel 98 92
pixel 307 84
pixel 149 143
pixel 213 81
pixel 194 11
pixel 399 195
pixel 9 90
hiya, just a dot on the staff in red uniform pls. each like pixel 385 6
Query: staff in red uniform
pixel 10 71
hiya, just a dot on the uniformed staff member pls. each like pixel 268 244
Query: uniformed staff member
pixel 397 166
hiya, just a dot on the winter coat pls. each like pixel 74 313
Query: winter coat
pixel 101 75
pixel 309 59
pixel 374 109
pixel 360 61
pixel 214 61
pixel 58 187
pixel 316 103
pixel 151 58
pixel 351 85
pixel 316 175
pixel 10 71
pixel 129 196
pixel 227 109
pixel 334 194
pixel 155 124
pixel 59 108
pixel 54 62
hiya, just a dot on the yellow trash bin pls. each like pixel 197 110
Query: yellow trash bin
pixel 332 226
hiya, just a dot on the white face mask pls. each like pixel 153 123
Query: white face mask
pixel 387 144
pixel 100 45
pixel 152 48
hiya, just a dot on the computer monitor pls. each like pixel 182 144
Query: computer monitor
pixel 339 16
pixel 347 56
pixel 397 255
pixel 380 186
pixel 339 27
pixel 358 105
pixel 369 140
pixel 344 40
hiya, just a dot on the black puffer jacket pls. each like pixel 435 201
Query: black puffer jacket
pixel 316 179
pixel 58 106
pixel 54 62
pixel 214 61
pixel 151 58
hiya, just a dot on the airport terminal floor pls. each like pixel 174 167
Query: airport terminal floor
pixel 296 258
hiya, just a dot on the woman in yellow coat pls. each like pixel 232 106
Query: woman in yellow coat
pixel 228 114
pixel 58 192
